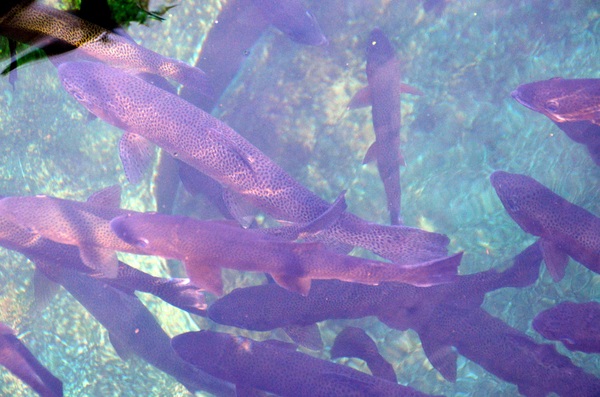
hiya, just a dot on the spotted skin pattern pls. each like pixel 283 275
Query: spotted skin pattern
pixel 212 147
pixel 205 247
pixel 564 228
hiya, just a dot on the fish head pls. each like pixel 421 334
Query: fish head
pixel 522 197
pixel 558 99
pixel 310 32
pixel 379 51
pixel 94 86
pixel 150 233
pixel 204 349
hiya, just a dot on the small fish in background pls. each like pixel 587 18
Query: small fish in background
pixel 277 367
pixel 205 247
pixel 15 357
pixel 575 325
pixel 565 229
pixel 248 176
pixel 383 95
pixel 355 342
pixel 293 19
pixel 572 104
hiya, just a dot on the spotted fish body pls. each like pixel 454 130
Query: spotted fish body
pixel 36 23
pixel 206 246
pixel 209 145
pixel 562 100
pixel 276 367
pixel 564 228
pixel 82 224
pixel 575 325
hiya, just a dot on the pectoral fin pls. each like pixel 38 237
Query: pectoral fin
pixel 361 99
pixel 123 351
pixel 205 276
pixel 239 209
pixel 556 259
pixel 441 356
pixel 308 336
pixel 293 283
pixel 43 290
pixel 371 154
pixel 103 261
pixel 136 154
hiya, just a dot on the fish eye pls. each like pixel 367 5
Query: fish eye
pixel 142 243
pixel 551 106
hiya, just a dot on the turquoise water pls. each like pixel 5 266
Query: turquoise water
pixel 289 100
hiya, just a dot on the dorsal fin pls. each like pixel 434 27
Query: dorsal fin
pixel 107 197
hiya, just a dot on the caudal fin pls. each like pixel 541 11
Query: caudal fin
pixel 438 271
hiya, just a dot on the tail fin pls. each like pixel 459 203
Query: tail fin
pixel 438 271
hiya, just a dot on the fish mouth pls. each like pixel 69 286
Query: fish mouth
pixel 517 97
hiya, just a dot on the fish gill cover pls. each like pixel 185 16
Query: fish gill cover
pixel 289 100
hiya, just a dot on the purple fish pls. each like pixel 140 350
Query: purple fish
pixel 561 99
pixel 293 19
pixel 278 368
pixel 205 247
pixel 572 104
pixel 82 224
pixel 564 228
pixel 195 137
pixel 575 325
pixel 19 360
pixel 383 94
pixel 131 326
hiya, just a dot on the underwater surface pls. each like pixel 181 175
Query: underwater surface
pixel 290 101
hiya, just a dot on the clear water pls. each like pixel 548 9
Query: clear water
pixel 289 100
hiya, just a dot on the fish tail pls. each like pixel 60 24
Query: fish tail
pixel 439 271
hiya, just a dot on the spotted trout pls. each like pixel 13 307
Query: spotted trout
pixel 565 229
pixel 147 113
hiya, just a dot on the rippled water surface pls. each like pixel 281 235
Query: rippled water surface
pixel 290 100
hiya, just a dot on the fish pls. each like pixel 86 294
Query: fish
pixel 562 100
pixel 132 328
pixel 399 306
pixel 206 247
pixel 575 325
pixel 572 104
pixel 82 224
pixel 40 25
pixel 355 342
pixel 277 367
pixel 383 95
pixel 15 357
pixel 294 20
pixel 176 291
pixel 209 145
pixel 565 229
